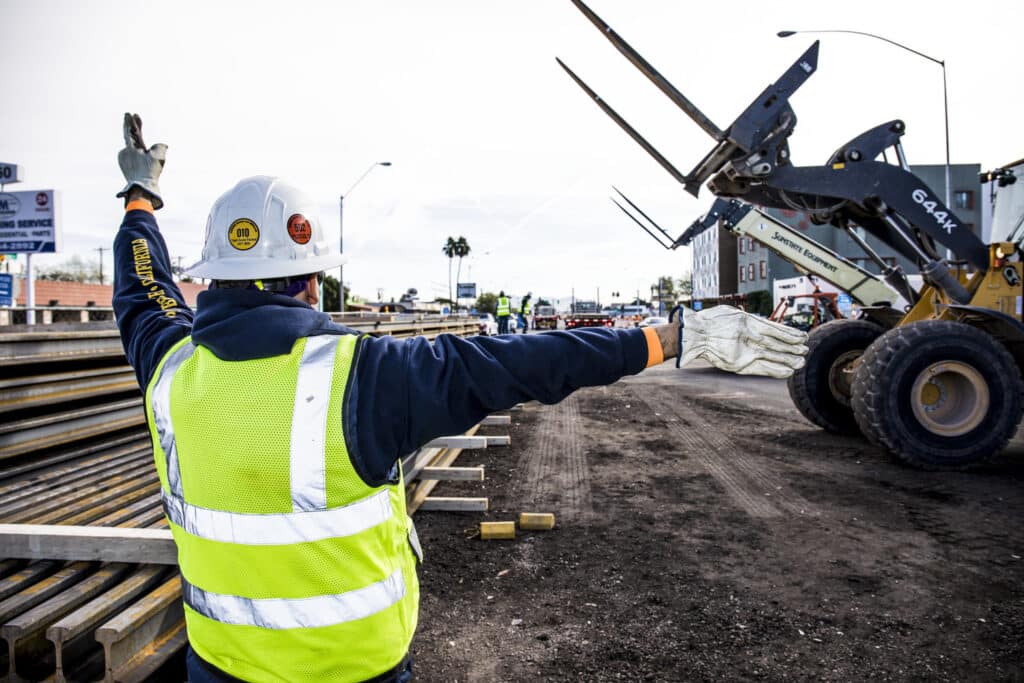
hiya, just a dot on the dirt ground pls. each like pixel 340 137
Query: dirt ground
pixel 708 538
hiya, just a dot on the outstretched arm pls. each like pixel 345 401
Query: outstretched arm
pixel 407 392
pixel 150 309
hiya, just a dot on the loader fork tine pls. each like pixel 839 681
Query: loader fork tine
pixel 638 222
pixel 641 212
pixel 639 139
pixel 688 107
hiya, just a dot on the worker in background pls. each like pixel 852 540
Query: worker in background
pixel 277 434
pixel 524 312
pixel 503 311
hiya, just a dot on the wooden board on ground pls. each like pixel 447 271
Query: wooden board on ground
pixel 53 542
pixel 453 473
pixel 454 504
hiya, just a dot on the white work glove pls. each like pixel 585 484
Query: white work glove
pixel 141 167
pixel 740 342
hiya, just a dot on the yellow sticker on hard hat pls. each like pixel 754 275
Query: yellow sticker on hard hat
pixel 243 234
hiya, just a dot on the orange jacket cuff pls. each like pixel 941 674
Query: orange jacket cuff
pixel 139 205
pixel 655 354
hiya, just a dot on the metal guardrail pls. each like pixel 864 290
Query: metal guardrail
pixel 74 450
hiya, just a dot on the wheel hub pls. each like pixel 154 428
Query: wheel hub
pixel 840 375
pixel 950 398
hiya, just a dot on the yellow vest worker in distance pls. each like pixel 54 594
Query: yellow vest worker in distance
pixel 503 311
pixel 277 434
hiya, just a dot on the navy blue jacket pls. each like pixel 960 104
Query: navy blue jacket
pixel 403 392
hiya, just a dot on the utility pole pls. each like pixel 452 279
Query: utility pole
pixel 101 250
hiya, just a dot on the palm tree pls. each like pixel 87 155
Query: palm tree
pixel 450 249
pixel 461 250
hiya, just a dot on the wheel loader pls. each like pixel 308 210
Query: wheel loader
pixel 937 384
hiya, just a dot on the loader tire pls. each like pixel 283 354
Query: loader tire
pixel 938 395
pixel 821 388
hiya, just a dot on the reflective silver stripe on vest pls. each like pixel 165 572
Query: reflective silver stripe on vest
pixel 278 528
pixel 281 613
pixel 309 423
pixel 161 405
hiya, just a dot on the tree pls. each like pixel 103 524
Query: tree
pixel 331 302
pixel 75 269
pixel 461 250
pixel 450 249
pixel 543 302
pixel 487 303
pixel 684 286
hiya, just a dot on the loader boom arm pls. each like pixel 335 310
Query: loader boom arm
pixel 809 256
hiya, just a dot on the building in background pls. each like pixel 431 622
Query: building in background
pixel 757 267
pixel 714 264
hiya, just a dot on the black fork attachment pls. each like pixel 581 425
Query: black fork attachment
pixel 750 161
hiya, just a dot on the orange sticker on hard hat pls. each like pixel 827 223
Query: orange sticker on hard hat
pixel 299 229
pixel 243 234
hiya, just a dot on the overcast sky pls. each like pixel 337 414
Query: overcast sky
pixel 489 139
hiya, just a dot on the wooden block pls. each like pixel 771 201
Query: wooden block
pixel 453 473
pixel 460 442
pixel 498 440
pixel 490 531
pixel 106 544
pixel 536 521
pixel 454 504
pixel 496 420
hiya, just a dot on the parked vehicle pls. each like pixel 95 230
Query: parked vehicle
pixel 653 320
pixel 545 318
pixel 488 325
pixel 587 314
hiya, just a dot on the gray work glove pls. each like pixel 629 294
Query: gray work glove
pixel 740 342
pixel 141 167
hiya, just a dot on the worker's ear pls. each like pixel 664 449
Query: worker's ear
pixel 312 291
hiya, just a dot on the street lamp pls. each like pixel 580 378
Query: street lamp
pixel 341 229
pixel 940 62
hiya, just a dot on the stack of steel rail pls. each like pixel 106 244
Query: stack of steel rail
pixel 74 450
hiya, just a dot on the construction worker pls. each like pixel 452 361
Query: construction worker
pixel 277 434
pixel 504 311
pixel 524 313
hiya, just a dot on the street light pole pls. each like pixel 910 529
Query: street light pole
pixel 940 62
pixel 341 229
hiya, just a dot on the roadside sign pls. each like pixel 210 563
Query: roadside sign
pixel 6 289
pixel 845 299
pixel 698 305
pixel 28 222
pixel 9 173
pixel 466 290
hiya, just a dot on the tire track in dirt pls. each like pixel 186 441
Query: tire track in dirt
pixel 557 473
pixel 760 492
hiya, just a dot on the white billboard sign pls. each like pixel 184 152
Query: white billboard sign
pixel 28 222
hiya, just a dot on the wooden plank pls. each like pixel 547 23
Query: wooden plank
pixel 423 488
pixel 496 421
pixel 453 473
pixel 460 442
pixel 90 543
pixel 414 464
pixel 498 441
pixel 454 504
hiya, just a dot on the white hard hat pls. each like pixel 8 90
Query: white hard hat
pixel 263 228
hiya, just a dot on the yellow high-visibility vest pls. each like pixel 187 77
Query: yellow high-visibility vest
pixel 292 567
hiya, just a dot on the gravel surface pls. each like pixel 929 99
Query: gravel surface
pixel 715 538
